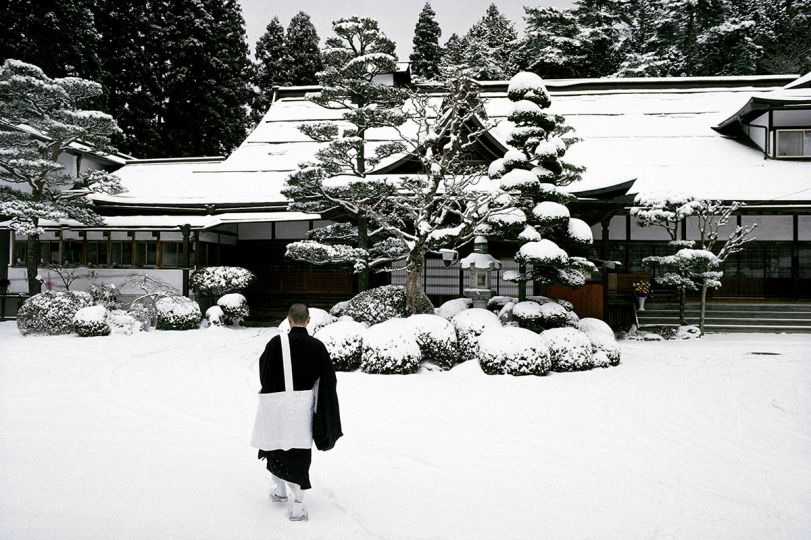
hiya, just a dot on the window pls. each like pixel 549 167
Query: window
pixel 146 253
pixel 794 143
pixel 121 253
pixel 171 254
pixel 97 253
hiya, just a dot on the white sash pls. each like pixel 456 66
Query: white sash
pixel 284 420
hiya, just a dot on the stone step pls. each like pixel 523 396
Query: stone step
pixel 794 315
pixel 800 307
pixel 761 321
pixel 728 328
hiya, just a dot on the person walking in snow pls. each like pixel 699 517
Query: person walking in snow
pixel 298 405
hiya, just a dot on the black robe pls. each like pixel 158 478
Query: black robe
pixel 311 363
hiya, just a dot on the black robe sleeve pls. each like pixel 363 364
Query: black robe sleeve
pixel 327 417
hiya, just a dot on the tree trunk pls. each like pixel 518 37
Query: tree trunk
pixel 363 243
pixel 522 285
pixel 703 309
pixel 413 289
pixel 682 306
pixel 32 263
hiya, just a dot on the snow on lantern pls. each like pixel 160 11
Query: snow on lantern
pixel 480 264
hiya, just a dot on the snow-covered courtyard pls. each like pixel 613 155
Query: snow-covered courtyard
pixel 146 436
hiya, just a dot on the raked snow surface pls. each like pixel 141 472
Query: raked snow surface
pixel 146 436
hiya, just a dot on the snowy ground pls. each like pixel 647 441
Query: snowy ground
pixel 147 437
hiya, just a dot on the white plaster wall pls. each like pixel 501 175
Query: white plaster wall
pixel 771 227
pixel 292 230
pixel 616 229
pixel 723 232
pixel 647 233
pixel 792 118
pixel 254 231
pixel 96 276
pixel 804 226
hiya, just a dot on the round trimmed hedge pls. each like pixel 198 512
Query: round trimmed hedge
pixel 569 348
pixel 381 304
pixel 318 319
pixel 469 325
pixel 177 313
pixel 51 312
pixel 390 348
pixel 219 280
pixel 513 351
pixel 91 321
pixel 234 308
pixel 344 342
pixel 436 338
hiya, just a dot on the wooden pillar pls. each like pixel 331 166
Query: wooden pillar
pixel 186 230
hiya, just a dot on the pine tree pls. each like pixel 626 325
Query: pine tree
pixel 453 57
pixel 54 110
pixel 599 24
pixel 206 85
pixel 131 52
pixel 304 58
pixel 532 173
pixel 550 45
pixel 491 46
pixel 427 54
pixel 353 58
pixel 59 37
pixel 272 62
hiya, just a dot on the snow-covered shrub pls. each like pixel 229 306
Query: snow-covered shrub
pixel 390 348
pixel 568 306
pixel 234 307
pixel 469 325
pixel 513 351
pixel 436 337
pixel 528 315
pixel 145 314
pixel 569 348
pixel 606 348
pixel 452 307
pixel 383 303
pixel 591 325
pixel 338 309
pixel 219 280
pixel 318 319
pixel 51 312
pixel 215 316
pixel 344 342
pixel 497 303
pixel 122 322
pixel 177 313
pixel 91 321
pixel 105 295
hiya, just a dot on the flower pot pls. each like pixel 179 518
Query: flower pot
pixel 641 301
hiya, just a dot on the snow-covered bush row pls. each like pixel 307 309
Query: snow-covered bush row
pixel 215 316
pixel 145 314
pixel 605 347
pixel 436 338
pixel 218 280
pixel 390 348
pixel 234 308
pixel 105 295
pixel 469 325
pixel 513 351
pixel 344 342
pixel 452 307
pixel 538 315
pixel 122 322
pixel 91 321
pixel 318 319
pixel 177 313
pixel 51 312
pixel 569 348
pixel 383 303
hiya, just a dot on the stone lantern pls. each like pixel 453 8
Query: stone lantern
pixel 480 264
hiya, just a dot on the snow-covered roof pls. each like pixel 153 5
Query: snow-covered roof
pixel 657 132
pixel 175 221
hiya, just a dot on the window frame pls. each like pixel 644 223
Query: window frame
pixel 803 131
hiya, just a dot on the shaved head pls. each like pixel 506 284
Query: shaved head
pixel 298 314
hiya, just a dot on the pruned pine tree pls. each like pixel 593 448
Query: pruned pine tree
pixel 303 56
pixel 272 61
pixel 52 117
pixel 696 265
pixel 337 182
pixel 427 54
pixel 445 205
pixel 551 241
